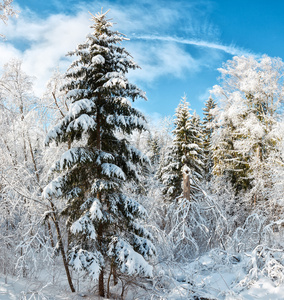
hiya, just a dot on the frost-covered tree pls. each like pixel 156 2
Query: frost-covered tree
pixel 107 233
pixel 154 149
pixel 163 134
pixel 21 153
pixel 55 100
pixel 251 95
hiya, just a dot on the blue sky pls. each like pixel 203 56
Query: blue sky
pixel 179 44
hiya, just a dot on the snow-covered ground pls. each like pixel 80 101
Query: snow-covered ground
pixel 20 289
pixel 218 275
pixel 215 275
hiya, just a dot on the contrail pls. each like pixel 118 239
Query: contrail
pixel 228 49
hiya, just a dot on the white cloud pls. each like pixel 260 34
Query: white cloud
pixel 46 41
pixel 8 52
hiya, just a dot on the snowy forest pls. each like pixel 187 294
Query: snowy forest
pixel 99 202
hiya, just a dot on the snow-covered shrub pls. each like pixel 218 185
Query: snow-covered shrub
pixel 264 262
pixel 261 243
pixel 196 226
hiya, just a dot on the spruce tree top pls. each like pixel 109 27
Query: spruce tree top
pixel 96 82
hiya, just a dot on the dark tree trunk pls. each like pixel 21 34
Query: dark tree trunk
pixel 50 234
pixel 101 283
pixel 101 276
pixel 61 247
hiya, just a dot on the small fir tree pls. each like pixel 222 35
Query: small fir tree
pixel 176 156
pixel 105 222
pixel 209 125
pixel 186 150
pixel 154 150
pixel 195 157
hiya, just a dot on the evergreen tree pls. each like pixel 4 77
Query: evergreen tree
pixel 208 127
pixel 176 156
pixel 195 157
pixel 154 150
pixel 186 150
pixel 229 160
pixel 105 222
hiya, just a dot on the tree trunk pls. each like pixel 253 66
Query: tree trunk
pixel 114 274
pixel 101 276
pixel 101 283
pixel 115 281
pixel 50 234
pixel 100 228
pixel 186 184
pixel 108 283
pixel 98 131
pixel 61 247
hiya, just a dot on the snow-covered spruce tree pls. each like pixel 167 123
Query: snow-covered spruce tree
pixel 154 149
pixel 195 160
pixel 208 127
pixel 176 156
pixel 185 151
pixel 105 223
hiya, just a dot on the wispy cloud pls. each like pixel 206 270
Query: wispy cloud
pixel 161 60
pixel 199 43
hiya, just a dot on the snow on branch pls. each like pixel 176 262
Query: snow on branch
pixel 137 154
pixel 84 122
pixel 85 225
pixel 144 246
pixel 132 208
pixel 54 188
pixel 77 107
pixel 7 10
pixel 95 210
pixel 55 132
pixel 104 157
pixel 100 185
pixel 71 157
pixel 89 261
pixel 115 79
pixel 112 170
pixel 129 261
pixel 98 60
